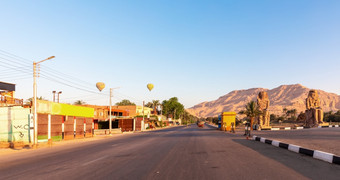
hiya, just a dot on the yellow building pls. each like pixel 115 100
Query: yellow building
pixel 228 119
pixel 47 107
pixel 135 110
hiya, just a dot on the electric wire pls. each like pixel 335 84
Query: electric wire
pixel 17 60
pixel 14 68
pixel 52 79
pixel 66 75
pixel 55 73
pixel 65 80
pixel 15 55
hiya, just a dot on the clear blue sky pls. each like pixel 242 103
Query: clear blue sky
pixel 194 50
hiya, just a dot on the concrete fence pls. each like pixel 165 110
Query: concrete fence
pixel 14 125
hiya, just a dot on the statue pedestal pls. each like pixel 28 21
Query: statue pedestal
pixel 265 127
pixel 324 124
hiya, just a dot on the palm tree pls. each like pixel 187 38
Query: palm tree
pixel 149 104
pixel 294 112
pixel 285 112
pixel 251 111
pixel 155 103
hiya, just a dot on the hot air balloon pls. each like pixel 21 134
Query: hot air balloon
pixel 100 86
pixel 150 86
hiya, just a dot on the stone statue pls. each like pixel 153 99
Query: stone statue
pixel 314 113
pixel 263 104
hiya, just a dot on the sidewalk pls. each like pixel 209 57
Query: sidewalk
pixel 4 151
pixel 322 139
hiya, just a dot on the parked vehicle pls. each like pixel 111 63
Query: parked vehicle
pixel 200 124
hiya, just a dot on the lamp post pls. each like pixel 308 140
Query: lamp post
pixel 110 123
pixel 35 118
pixel 59 94
pixel 111 94
pixel 53 95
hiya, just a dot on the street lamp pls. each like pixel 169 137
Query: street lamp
pixel 53 95
pixel 58 95
pixel 110 117
pixel 35 118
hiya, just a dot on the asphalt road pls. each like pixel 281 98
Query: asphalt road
pixel 176 153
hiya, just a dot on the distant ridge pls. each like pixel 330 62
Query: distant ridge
pixel 284 96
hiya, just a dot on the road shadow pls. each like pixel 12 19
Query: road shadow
pixel 305 165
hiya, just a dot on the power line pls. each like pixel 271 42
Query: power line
pixel 15 70
pixel 72 82
pixel 52 72
pixel 13 76
pixel 10 66
pixel 66 75
pixel 15 79
pixel 15 55
pixel 52 79
pixel 16 60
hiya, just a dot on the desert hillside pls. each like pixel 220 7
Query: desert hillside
pixel 285 96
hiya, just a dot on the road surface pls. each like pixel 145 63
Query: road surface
pixel 175 153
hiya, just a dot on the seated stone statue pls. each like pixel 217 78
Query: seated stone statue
pixel 263 104
pixel 314 113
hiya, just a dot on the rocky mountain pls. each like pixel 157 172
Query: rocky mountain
pixel 285 96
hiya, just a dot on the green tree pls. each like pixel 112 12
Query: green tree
pixel 125 102
pixel 79 102
pixel 273 117
pixel 172 107
pixel 251 111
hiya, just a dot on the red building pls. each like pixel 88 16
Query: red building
pixel 101 113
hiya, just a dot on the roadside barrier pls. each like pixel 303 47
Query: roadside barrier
pixel 324 156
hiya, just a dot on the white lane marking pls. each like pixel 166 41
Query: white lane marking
pixel 287 128
pixel 89 162
pixel 323 156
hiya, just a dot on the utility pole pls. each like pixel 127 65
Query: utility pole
pixel 110 123
pixel 143 117
pixel 111 95
pixel 175 116
pixel 35 115
pixel 34 100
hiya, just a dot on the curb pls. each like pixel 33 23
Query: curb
pixel 330 126
pixel 282 128
pixel 290 128
pixel 324 156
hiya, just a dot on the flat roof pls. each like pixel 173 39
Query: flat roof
pixel 7 86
